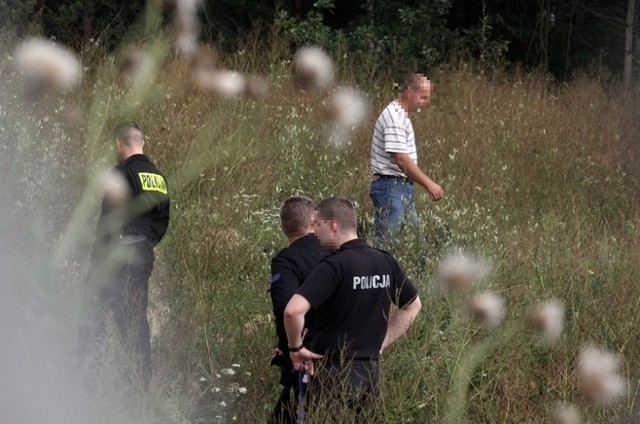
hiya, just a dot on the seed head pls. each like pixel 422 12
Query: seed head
pixel 547 320
pixel 46 65
pixel 489 309
pixel 257 87
pixel 186 26
pixel 348 107
pixel 459 271
pixel 225 84
pixel 597 375
pixel 313 68
pixel 116 189
pixel 135 65
pixel 566 414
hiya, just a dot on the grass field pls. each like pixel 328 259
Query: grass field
pixel 540 177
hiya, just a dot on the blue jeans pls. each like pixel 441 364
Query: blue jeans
pixel 394 205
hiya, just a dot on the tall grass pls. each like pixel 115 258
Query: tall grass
pixel 540 177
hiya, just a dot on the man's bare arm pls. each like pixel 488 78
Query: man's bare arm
pixel 414 172
pixel 400 321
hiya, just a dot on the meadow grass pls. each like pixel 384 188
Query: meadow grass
pixel 540 177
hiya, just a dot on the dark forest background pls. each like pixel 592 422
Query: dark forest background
pixel 559 36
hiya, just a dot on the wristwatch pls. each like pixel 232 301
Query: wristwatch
pixel 295 349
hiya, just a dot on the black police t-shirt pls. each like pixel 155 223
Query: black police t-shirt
pixel 352 291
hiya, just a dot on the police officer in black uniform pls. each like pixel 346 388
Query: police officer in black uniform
pixel 134 218
pixel 289 268
pixel 351 292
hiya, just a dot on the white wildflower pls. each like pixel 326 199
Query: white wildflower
pixel 222 403
pixel 489 309
pixel 228 371
pixel 46 65
pixel 242 390
pixel 186 26
pixel 348 107
pixel 597 375
pixel 187 6
pixel 116 189
pixel 225 84
pixel 215 389
pixel 313 68
pixel 547 319
pixel 566 414
pixel 460 271
pixel 136 66
pixel 236 365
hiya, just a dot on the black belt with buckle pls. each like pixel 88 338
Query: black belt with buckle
pixel 393 178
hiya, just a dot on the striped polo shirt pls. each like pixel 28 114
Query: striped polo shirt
pixel 393 133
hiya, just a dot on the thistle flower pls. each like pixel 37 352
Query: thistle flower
pixel 189 7
pixel 313 68
pixel 46 65
pixel 459 272
pixel 547 319
pixel 489 309
pixel 186 25
pixel 597 375
pixel 225 84
pixel 257 87
pixel 566 414
pixel 116 189
pixel 348 107
pixel 135 65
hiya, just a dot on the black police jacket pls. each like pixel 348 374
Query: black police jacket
pixel 145 212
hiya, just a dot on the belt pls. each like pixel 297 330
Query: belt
pixel 393 178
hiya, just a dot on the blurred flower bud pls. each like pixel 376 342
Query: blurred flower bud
pixel 547 320
pixel 46 65
pixel 566 414
pixel 257 87
pixel 313 68
pixel 135 65
pixel 186 26
pixel 348 107
pixel 459 272
pixel 225 84
pixel 489 309
pixel 116 189
pixel 597 375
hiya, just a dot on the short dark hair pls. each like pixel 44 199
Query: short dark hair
pixel 296 214
pixel 412 81
pixel 121 130
pixel 340 210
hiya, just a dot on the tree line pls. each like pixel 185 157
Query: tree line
pixel 558 36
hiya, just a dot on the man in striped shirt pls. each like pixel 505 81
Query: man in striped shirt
pixel 394 160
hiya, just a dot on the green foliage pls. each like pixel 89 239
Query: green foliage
pixel 17 14
pixel 392 35
pixel 479 41
pixel 76 22
pixel 537 177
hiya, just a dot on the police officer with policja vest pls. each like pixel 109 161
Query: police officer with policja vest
pixel 351 292
pixel 133 220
